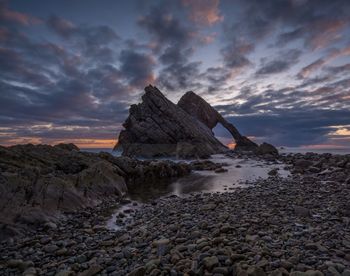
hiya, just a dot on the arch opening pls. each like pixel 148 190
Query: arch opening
pixel 224 136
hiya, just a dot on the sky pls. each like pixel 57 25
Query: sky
pixel 279 70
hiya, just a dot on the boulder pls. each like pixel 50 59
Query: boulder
pixel 265 149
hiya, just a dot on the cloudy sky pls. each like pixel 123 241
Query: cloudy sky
pixel 277 69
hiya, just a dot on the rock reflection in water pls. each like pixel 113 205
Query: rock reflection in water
pixel 239 172
pixel 149 190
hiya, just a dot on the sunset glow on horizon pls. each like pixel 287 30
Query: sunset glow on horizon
pixel 278 70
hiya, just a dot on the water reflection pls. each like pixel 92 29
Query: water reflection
pixel 240 171
pixel 149 190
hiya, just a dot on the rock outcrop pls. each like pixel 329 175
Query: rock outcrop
pixel 157 127
pixel 266 149
pixel 38 183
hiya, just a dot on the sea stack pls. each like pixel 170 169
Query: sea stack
pixel 157 127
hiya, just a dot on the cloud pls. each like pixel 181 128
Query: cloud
pixel 44 83
pixel 11 16
pixel 165 28
pixel 173 43
pixel 317 23
pixel 285 60
pixel 180 76
pixel 137 68
pixel 95 35
pixel 307 70
pixel 72 80
pixel 342 69
pixel 94 42
pixel 288 117
pixel 234 53
pixel 61 26
pixel 292 127
pixel 314 66
pixel 316 33
pixel 204 12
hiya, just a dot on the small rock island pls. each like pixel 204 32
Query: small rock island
pixel 157 127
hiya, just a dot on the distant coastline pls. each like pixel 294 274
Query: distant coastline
pixel 302 150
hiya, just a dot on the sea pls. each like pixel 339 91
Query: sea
pixel 282 150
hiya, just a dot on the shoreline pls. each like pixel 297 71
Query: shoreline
pixel 274 226
pixel 297 226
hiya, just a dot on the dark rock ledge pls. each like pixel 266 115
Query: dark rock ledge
pixel 39 183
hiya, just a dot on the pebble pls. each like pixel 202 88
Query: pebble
pixel 296 226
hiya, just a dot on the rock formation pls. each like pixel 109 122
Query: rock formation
pixel 157 127
pixel 38 182
pixel 204 112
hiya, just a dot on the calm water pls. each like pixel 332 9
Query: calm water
pixel 240 173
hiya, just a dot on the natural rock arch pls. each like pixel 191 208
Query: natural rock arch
pixel 205 113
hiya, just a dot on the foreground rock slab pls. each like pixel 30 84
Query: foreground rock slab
pixel 39 183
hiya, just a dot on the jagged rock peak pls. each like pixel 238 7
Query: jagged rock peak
pixel 158 127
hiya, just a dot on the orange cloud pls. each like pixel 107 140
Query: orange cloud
pixel 323 146
pixel 204 12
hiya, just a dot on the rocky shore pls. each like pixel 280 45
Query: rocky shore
pixel 38 184
pixel 293 226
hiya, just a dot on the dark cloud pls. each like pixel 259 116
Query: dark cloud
pixel 45 84
pixel 172 41
pixel 94 42
pixel 285 60
pixel 8 16
pixel 319 63
pixel 288 117
pixel 317 23
pixel 165 28
pixel 342 69
pixel 96 35
pixel 234 53
pixel 296 127
pixel 185 77
pixel 61 26
pixel 137 68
